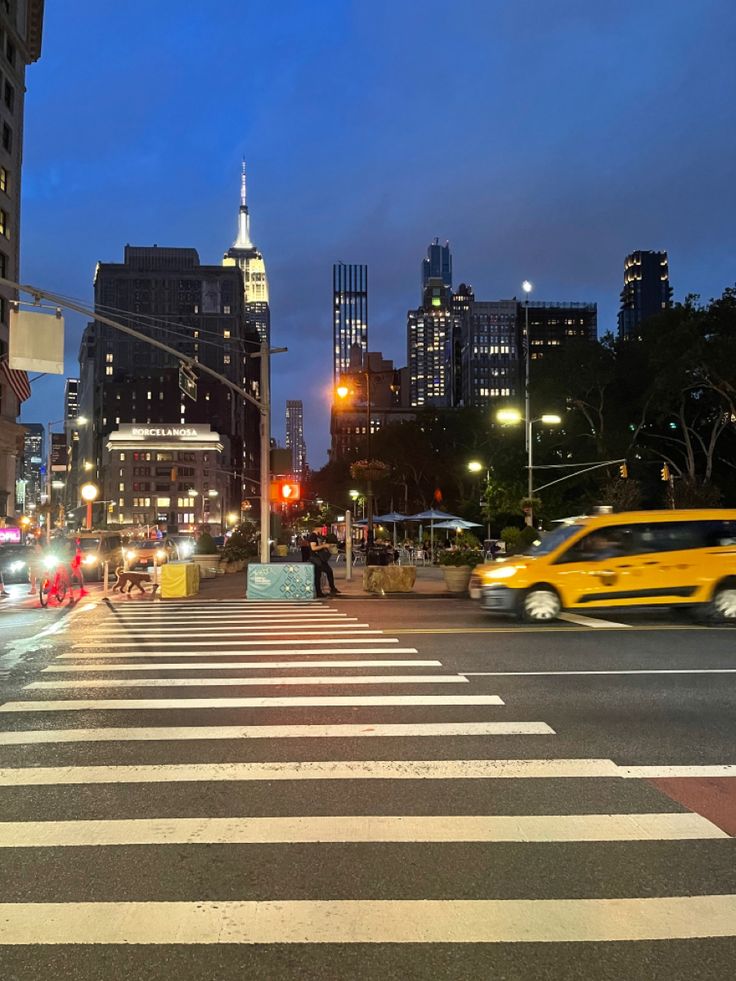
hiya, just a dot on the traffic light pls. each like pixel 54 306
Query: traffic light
pixel 623 471
pixel 285 491
pixel 664 473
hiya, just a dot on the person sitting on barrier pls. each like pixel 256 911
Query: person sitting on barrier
pixel 320 559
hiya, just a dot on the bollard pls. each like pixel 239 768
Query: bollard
pixel 348 546
pixel 105 578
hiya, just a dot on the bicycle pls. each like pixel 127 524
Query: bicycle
pixel 57 581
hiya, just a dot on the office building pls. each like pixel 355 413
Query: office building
pixel 349 315
pixel 489 351
pixel 646 291
pixel 389 402
pixel 431 332
pixel 71 399
pixel 71 429
pixel 199 310
pixel 295 437
pixel 21 24
pixel 32 466
pixel 437 264
pixel 244 254
pixel 552 324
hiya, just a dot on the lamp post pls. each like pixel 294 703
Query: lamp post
pixel 475 466
pixel 343 391
pixel 81 421
pixel 527 287
pixel 512 417
pixel 89 494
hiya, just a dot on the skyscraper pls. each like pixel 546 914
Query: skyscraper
pixel 349 315
pixel 71 399
pixel 489 353
pixel 295 436
pixel 21 25
pixel 249 260
pixel 33 460
pixel 71 429
pixel 199 310
pixel 430 341
pixel 437 264
pixel 646 291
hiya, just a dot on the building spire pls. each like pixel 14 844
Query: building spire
pixel 243 240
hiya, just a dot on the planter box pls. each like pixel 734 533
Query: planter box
pixel 208 565
pixel 389 578
pixel 179 579
pixel 457 577
pixel 280 581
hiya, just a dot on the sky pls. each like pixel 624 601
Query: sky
pixel 545 139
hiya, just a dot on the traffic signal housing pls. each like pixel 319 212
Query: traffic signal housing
pixel 664 473
pixel 623 471
pixel 285 491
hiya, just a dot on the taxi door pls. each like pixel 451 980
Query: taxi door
pixel 596 569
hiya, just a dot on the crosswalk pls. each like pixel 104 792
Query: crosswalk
pixel 237 773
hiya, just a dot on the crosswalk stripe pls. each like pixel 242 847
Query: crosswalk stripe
pixel 102 655
pixel 663 772
pixel 373 828
pixel 259 682
pixel 274 701
pixel 309 770
pixel 241 665
pixel 524 674
pixel 370 921
pixel 222 644
pixel 248 630
pixel 25 737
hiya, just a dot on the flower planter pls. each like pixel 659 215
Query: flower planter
pixel 457 577
pixel 208 565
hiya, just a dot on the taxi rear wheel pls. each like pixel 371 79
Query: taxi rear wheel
pixel 722 608
pixel 540 605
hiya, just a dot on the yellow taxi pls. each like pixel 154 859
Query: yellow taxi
pixel 641 558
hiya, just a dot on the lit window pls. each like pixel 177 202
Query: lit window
pixel 148 396
pixel 3 179
pixel 122 457
pixel 109 370
pixel 225 333
pixel 121 487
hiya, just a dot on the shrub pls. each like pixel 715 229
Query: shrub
pixel 206 544
pixel 460 557
pixel 241 545
pixel 518 540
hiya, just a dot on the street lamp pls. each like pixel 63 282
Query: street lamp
pixel 475 466
pixel 513 416
pixel 89 494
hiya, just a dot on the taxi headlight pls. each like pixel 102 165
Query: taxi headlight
pixel 89 560
pixel 502 572
pixel 160 554
pixel 131 556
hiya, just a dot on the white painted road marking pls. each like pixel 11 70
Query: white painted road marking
pixel 262 631
pixel 370 921
pixel 340 731
pixel 699 771
pixel 260 682
pixel 101 655
pixel 275 701
pixel 378 828
pixel 225 642
pixel 241 665
pixel 585 621
pixel 531 674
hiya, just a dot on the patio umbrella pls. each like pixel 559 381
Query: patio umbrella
pixel 432 515
pixel 458 525
pixel 392 518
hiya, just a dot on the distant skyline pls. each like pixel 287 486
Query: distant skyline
pixel 543 141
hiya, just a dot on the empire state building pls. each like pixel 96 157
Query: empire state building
pixel 249 260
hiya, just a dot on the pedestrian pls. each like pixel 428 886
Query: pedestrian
pixel 36 568
pixel 319 556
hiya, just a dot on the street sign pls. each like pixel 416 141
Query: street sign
pixel 188 383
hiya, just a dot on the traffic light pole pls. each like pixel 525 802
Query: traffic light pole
pixel 263 404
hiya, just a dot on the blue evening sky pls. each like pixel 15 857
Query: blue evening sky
pixel 544 138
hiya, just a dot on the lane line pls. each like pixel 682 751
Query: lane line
pixel 697 770
pixel 102 655
pixel 361 828
pixel 285 701
pixel 242 665
pixel 370 921
pixel 522 674
pixel 309 770
pixel 586 621
pixel 341 731
pixel 223 644
pixel 259 682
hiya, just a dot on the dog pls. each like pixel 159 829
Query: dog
pixel 130 579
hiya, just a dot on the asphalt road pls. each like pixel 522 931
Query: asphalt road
pixel 364 789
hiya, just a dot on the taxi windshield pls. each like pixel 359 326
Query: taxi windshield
pixel 548 543
pixel 89 544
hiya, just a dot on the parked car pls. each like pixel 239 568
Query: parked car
pixel 643 558
pixel 180 546
pixel 142 554
pixel 14 563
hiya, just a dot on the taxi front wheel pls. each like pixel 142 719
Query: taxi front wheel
pixel 540 604
pixel 722 608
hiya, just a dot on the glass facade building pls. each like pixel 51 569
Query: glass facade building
pixel 349 315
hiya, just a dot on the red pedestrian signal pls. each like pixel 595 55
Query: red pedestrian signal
pixel 285 491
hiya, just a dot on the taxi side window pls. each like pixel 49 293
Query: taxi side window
pixel 600 544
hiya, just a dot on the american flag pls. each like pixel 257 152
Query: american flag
pixel 18 380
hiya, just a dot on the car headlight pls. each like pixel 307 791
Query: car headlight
pixel 90 560
pixel 160 554
pixel 502 572
pixel 131 556
pixel 16 566
pixel 186 549
pixel 50 562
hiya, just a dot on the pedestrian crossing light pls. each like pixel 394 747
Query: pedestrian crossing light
pixel 623 471
pixel 665 472
pixel 285 491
